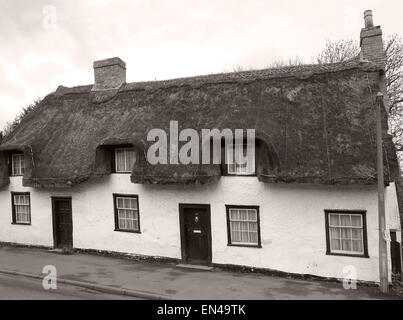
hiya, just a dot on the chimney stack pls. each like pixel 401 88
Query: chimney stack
pixel 371 42
pixel 109 74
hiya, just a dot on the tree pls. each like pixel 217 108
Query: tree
pixel 347 49
pixel 338 51
pixel 10 126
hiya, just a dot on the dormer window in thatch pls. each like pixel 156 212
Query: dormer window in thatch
pixel 17 164
pixel 238 168
pixel 125 158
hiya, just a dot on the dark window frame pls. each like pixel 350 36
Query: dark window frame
pixel 115 207
pixel 113 156
pixel 10 163
pixel 363 214
pixel 14 218
pixel 259 239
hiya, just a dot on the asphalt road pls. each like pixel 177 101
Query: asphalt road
pixel 21 288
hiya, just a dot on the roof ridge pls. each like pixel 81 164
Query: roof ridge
pixel 299 71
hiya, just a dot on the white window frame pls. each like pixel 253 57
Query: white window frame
pixel 361 227
pixel 128 167
pixel 17 164
pixel 119 211
pixel 257 221
pixel 240 170
pixel 26 203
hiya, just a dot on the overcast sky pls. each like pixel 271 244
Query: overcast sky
pixel 49 43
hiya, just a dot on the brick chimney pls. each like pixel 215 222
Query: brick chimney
pixel 371 41
pixel 109 74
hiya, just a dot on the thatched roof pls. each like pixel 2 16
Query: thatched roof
pixel 314 122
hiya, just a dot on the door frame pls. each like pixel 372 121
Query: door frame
pixel 54 199
pixel 395 252
pixel 182 210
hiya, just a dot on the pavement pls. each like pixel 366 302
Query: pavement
pixel 23 288
pixel 151 280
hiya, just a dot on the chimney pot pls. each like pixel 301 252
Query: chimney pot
pixel 109 73
pixel 368 18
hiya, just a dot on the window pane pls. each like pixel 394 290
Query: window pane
pixel 244 236
pixel 334 219
pixel 133 204
pixel 130 159
pixel 243 214
pixel 236 225
pixel 356 221
pixel 22 164
pixel 15 164
pixel 357 234
pixel 234 214
pixel 345 220
pixel 335 244
pixel 335 233
pixel 243 226
pixel 252 215
pixel 345 233
pixel 253 237
pixel 235 236
pixel 252 226
pixel 357 246
pixel 120 160
pixel 346 245
pixel 119 202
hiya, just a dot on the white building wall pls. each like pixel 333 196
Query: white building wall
pixel 292 221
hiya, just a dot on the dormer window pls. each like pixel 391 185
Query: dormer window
pixel 241 169
pixel 17 164
pixel 125 158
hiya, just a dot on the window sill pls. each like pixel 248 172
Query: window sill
pixel 128 231
pixel 16 175
pixel 239 175
pixel 258 246
pixel 353 255
pixel 121 172
pixel 21 223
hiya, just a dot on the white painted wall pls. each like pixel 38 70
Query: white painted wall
pixel 291 216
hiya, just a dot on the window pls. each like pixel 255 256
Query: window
pixel 125 158
pixel 126 213
pixel 17 164
pixel 346 233
pixel 243 226
pixel 248 168
pixel 21 208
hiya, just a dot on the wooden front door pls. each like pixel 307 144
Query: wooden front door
pixel 62 223
pixel 195 234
